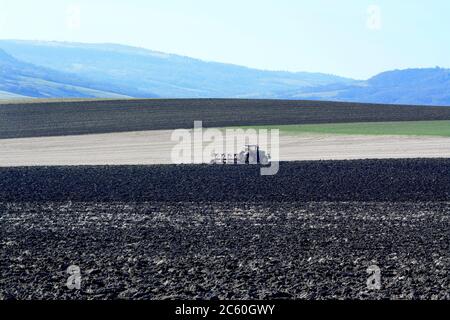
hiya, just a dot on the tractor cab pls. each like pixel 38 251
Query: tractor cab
pixel 252 154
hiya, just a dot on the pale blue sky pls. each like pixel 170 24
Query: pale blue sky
pixel 354 38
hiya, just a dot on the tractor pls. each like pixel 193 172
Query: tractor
pixel 252 154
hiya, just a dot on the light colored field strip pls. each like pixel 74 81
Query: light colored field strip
pixel 155 147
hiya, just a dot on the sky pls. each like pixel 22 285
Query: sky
pixel 352 38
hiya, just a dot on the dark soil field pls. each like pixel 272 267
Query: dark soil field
pixel 166 232
pixel 356 180
pixel 88 117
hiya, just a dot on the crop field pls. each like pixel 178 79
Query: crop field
pixel 140 231
pixel 58 118
pixel 165 232
pixel 155 147
pixel 400 128
pixel 357 180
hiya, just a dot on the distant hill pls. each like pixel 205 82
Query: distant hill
pixel 19 79
pixel 411 86
pixel 144 73
pixel 60 69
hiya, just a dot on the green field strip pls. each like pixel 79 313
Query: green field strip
pixel 403 128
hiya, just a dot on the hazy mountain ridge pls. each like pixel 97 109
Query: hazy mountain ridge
pixel 19 79
pixel 411 86
pixel 143 73
pixel 60 69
